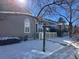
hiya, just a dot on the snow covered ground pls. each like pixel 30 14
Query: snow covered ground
pixel 19 50
pixel 61 39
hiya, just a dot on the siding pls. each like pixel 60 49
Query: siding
pixel 14 25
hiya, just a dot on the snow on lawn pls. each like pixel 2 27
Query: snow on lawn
pixel 17 50
pixel 61 39
pixel 66 53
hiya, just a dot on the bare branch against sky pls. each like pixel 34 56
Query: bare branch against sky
pixel 68 9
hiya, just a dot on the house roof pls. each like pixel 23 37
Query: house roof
pixel 6 14
pixel 44 19
pixel 49 20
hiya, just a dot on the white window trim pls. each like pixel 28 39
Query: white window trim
pixel 24 27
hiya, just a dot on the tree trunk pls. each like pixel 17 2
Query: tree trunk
pixel 70 29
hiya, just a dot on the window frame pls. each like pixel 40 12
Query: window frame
pixel 26 26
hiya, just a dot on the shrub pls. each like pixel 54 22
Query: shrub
pixel 9 41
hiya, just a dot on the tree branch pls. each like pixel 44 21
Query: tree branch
pixel 75 20
pixel 56 3
pixel 62 15
pixel 43 8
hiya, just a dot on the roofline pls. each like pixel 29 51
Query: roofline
pixel 17 13
pixel 49 20
pixel 11 12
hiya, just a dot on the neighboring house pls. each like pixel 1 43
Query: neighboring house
pixel 50 24
pixel 62 27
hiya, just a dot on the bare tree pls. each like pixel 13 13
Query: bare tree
pixel 68 9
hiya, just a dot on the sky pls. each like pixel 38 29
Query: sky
pixel 32 6
pixel 35 10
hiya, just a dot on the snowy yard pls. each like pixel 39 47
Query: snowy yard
pixel 18 51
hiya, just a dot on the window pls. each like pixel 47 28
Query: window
pixel 39 27
pixel 26 26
